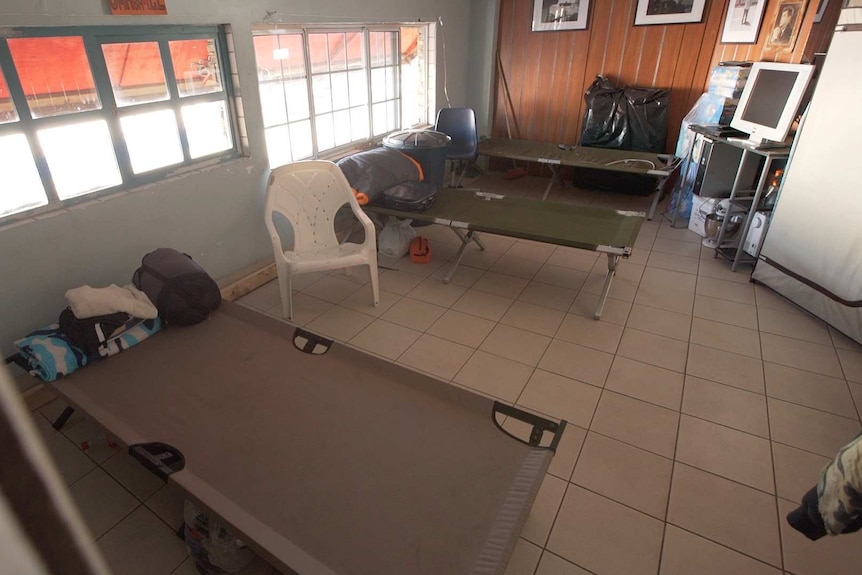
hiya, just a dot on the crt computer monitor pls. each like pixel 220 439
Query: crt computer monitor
pixel 770 101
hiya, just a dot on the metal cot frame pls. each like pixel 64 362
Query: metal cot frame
pixel 659 166
pixel 467 212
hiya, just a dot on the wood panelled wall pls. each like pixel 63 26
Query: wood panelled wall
pixel 547 73
pixel 813 37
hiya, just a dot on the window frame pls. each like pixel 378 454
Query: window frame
pixel 93 38
pixel 304 30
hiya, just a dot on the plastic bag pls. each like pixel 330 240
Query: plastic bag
pixel 214 550
pixel 605 117
pixel 627 118
pixel 395 237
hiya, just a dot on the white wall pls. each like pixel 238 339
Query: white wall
pixel 213 214
pixel 481 66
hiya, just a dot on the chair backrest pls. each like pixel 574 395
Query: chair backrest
pixel 460 125
pixel 308 194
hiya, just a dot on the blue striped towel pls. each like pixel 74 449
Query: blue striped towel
pixel 51 355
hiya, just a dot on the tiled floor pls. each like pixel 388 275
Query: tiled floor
pixel 701 406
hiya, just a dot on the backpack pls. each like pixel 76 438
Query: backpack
pixel 180 289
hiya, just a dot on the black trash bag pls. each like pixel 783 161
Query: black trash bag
pixel 622 119
pixel 628 118
pixel 646 115
pixel 605 118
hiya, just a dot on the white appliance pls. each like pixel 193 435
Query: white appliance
pixel 756 234
pixel 812 252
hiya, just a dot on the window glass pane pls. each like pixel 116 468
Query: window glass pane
pixel 152 139
pixel 392 53
pixel 383 48
pixel 7 107
pixel 337 52
pixel 391 82
pixel 297 100
pixel 22 189
pixel 325 135
pixel 55 75
pixel 80 157
pixel 318 51
pixel 322 93
pixel 207 128
pixel 376 54
pixel 292 56
pixel 279 56
pixel 359 123
pixel 378 84
pixel 358 86
pixel 354 51
pixel 378 119
pixel 136 72
pixel 392 116
pixel 196 66
pixel 300 140
pixel 267 57
pixel 384 116
pixel 278 146
pixel 272 103
pixel 340 92
pixel 342 127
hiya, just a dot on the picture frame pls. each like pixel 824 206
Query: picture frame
pixel 821 8
pixel 550 15
pixel 651 12
pixel 782 33
pixel 742 23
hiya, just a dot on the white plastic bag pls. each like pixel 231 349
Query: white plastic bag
pixel 214 550
pixel 395 237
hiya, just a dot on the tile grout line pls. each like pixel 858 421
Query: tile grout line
pixel 673 464
pixel 774 474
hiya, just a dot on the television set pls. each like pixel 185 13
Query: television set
pixel 770 101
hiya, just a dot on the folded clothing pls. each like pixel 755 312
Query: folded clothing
pixel 50 354
pixel 86 301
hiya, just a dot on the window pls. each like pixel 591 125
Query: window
pixel 94 110
pixel 323 89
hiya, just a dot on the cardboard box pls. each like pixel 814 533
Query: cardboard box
pixel 700 207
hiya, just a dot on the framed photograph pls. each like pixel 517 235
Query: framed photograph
pixel 743 21
pixel 783 31
pixel 560 15
pixel 669 12
pixel 821 8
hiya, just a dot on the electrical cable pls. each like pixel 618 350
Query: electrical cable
pixel 632 161
pixel 445 68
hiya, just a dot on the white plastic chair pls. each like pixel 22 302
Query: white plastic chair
pixel 309 194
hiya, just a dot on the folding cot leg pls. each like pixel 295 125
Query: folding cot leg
pixel 63 418
pixel 612 266
pixel 657 196
pixel 555 176
pixel 465 240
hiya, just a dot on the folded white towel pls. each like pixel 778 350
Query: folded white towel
pixel 87 301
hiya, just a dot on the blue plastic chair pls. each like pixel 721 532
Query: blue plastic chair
pixel 460 125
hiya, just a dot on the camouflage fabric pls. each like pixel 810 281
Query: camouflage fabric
pixel 839 490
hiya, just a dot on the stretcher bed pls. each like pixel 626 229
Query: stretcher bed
pixel 466 212
pixel 658 166
pixel 322 458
